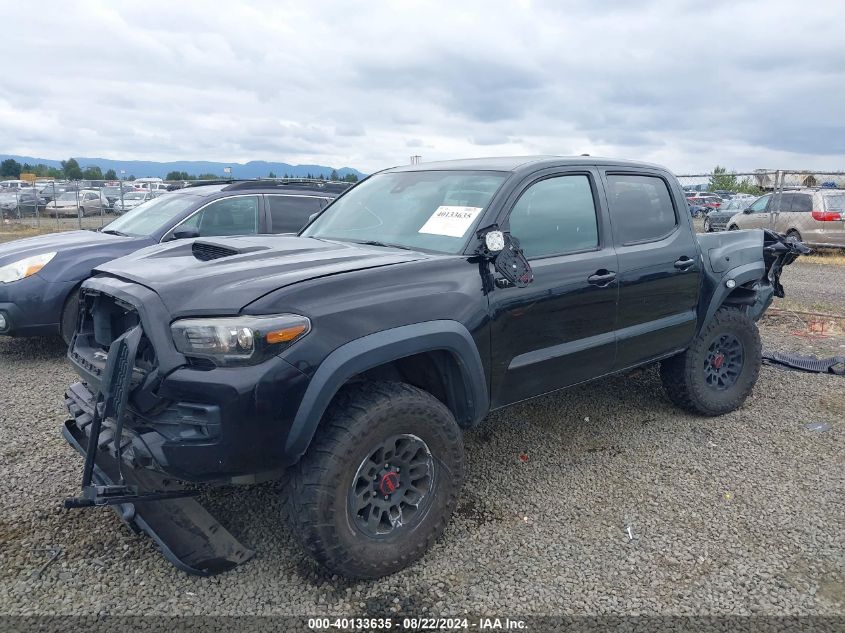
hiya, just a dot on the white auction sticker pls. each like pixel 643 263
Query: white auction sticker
pixel 451 221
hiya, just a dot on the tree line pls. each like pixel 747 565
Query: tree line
pixel 71 170
pixel 334 176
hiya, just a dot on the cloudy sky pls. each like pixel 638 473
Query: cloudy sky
pixel 367 84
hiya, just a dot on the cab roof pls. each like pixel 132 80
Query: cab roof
pixel 519 163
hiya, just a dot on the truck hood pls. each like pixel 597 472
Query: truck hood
pixel 222 275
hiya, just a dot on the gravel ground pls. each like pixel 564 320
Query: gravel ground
pixel 741 514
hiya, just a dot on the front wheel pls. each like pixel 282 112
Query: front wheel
pixel 733 227
pixel 719 369
pixel 379 482
pixel 707 227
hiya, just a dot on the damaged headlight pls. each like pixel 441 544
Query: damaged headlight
pixel 243 340
pixel 24 268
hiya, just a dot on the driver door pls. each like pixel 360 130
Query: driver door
pixel 559 330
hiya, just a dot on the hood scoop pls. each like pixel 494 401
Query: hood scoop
pixel 206 251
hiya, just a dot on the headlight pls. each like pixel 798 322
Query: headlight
pixel 244 340
pixel 24 267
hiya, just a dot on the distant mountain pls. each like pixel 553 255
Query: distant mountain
pixel 152 169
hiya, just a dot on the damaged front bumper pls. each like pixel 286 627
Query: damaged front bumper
pixel 119 471
pixel 188 536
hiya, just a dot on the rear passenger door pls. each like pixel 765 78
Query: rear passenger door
pixel 659 266
pixel 557 331
pixel 289 214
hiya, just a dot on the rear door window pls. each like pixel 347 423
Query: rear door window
pixel 641 208
pixel 782 202
pixel 802 203
pixel 288 214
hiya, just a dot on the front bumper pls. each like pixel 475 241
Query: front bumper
pixel 217 426
pixel 32 306
pixel 201 424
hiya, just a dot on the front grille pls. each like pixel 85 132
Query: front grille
pixel 204 251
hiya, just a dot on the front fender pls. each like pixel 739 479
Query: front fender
pixel 382 347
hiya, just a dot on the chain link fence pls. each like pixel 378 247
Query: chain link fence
pixel 67 206
pixel 807 205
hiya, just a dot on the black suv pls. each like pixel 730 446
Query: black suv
pixel 348 359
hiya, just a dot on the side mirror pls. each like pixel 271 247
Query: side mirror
pixel 504 251
pixel 185 233
pixel 747 210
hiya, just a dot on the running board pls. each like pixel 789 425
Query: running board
pixel 834 365
pixel 187 535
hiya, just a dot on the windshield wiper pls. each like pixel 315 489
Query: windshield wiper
pixel 113 232
pixel 377 243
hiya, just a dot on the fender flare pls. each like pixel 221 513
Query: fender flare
pixel 383 347
pixel 755 271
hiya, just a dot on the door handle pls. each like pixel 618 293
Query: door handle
pixel 602 278
pixel 684 263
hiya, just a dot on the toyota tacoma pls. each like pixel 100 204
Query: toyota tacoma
pixel 345 361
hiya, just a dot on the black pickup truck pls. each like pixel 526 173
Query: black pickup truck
pixel 345 361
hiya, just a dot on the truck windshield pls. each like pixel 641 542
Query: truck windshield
pixel 427 210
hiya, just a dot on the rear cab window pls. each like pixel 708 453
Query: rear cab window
pixel 641 208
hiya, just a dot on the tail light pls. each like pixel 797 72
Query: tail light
pixel 827 216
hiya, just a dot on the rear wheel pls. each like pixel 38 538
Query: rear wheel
pixel 379 482
pixel 707 227
pixel 720 367
pixel 793 235
pixel 733 227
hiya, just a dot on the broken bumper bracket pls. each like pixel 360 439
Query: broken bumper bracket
pixel 145 499
pixel 187 535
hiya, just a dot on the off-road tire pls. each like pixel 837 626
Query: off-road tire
pixel 70 316
pixel 315 501
pixel 684 378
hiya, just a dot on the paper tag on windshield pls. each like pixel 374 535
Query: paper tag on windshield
pixel 451 221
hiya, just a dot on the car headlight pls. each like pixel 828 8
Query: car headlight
pixel 242 340
pixel 24 267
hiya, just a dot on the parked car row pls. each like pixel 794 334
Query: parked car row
pixel 814 216
pixel 68 199
pixel 45 304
